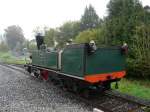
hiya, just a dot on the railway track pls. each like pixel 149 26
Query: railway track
pixel 18 67
pixel 108 101
pixel 113 101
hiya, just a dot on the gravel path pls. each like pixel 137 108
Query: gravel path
pixel 22 93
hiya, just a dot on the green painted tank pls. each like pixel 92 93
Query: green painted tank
pixel 73 60
pixel 77 60
pixel 105 60
pixel 45 59
pixel 80 61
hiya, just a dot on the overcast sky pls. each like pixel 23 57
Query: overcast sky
pixel 52 13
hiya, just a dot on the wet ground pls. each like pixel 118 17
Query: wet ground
pixel 20 92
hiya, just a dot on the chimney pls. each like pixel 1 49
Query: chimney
pixel 39 40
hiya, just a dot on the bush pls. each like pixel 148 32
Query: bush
pixel 95 34
pixel 139 70
pixel 138 62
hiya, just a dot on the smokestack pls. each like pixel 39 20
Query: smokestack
pixel 39 40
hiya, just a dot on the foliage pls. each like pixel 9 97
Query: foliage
pixel 127 21
pixel 14 37
pixel 139 65
pixel 3 47
pixel 94 34
pixel 67 31
pixel 147 14
pixel 123 17
pixel 71 29
pixel 141 42
pixel 89 19
pixel 86 36
pixel 31 45
pixel 50 37
pixel 39 29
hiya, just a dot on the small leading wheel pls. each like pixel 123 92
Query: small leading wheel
pixel 29 69
pixel 75 88
pixel 107 85
pixel 86 93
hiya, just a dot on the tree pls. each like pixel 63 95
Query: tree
pixel 89 19
pixel 40 29
pixel 31 45
pixel 128 21
pixel 123 17
pixel 141 43
pixel 3 47
pixel 86 36
pixel 50 37
pixel 139 65
pixel 67 31
pixel 14 36
pixel 95 34
pixel 147 14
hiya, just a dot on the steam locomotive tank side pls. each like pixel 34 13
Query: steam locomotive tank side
pixel 45 59
pixel 103 65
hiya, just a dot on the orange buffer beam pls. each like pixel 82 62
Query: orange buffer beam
pixel 93 78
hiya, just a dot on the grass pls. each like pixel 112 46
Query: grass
pixel 15 61
pixel 9 58
pixel 138 88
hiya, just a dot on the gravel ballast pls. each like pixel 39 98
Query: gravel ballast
pixel 20 92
